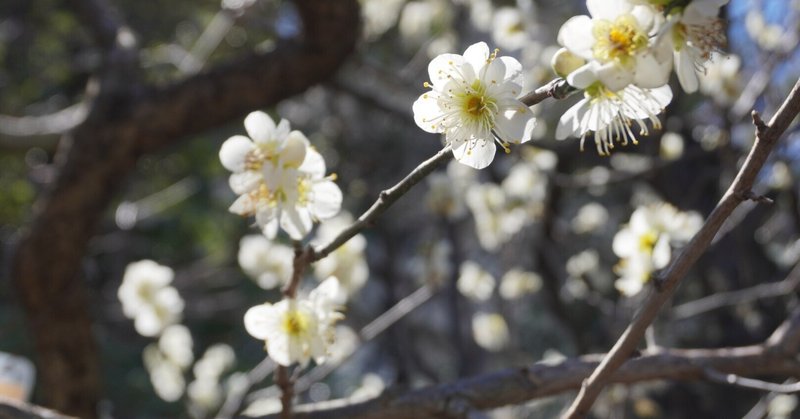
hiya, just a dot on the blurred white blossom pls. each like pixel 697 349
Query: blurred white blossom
pixel 590 218
pixel 266 262
pixel 348 262
pixel 147 297
pixel 176 344
pixel 474 282
pixel 165 376
pixel 517 283
pixel 379 16
pixel 508 28
pixel 490 331
pixel 672 145
pixel 722 80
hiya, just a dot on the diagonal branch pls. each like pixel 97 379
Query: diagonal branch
pixel 766 138
pixel 543 379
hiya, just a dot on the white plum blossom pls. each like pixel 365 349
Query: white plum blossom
pixel 176 345
pixel 297 329
pixel 644 244
pixel 517 283
pixel 616 43
pixel 147 297
pixel 279 178
pixel 611 115
pixel 266 262
pixel 205 391
pixel 490 331
pixel 348 262
pixel 473 102
pixel 165 376
pixel 474 282
pixel 694 32
pixel 722 79
pixel 508 28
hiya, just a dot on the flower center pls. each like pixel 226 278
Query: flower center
pixel 619 40
pixel 647 241
pixel 475 105
pixel 295 323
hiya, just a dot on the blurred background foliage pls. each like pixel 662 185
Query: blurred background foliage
pixel 174 208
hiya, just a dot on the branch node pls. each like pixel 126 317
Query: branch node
pixel 751 196
pixel 761 126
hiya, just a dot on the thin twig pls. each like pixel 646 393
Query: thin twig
pixel 723 299
pixel 751 383
pixel 766 138
pixel 385 200
pixel 556 89
pixel 287 392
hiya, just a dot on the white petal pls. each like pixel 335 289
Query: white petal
pixel 628 286
pixel 233 152
pixel 244 182
pixel 294 150
pixel 583 77
pixel 243 205
pixel 258 319
pixel 614 77
pixel 260 127
pixel 296 222
pixel 478 157
pixel 513 71
pixel 476 55
pixel 650 72
pixel 608 9
pixel 327 200
pixel 625 243
pixel 443 65
pixel 684 67
pixel 661 252
pixel 427 112
pixel 314 164
pixel 576 35
pixel 515 125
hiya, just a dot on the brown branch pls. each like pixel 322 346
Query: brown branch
pixel 97 156
pixel 518 385
pixel 766 138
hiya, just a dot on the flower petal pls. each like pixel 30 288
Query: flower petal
pixel 478 156
pixel 427 113
pixel 260 127
pixel 515 125
pixel 234 151
pixel 258 320
pixel 327 200
pixel 244 182
pixel 576 35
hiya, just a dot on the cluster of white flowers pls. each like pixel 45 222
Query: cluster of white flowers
pixel 279 178
pixel 644 245
pixel 298 329
pixel 148 298
pixel 621 57
pixel 205 391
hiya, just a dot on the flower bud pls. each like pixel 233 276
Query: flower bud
pixel 565 62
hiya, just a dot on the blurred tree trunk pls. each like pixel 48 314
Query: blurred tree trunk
pixel 95 158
